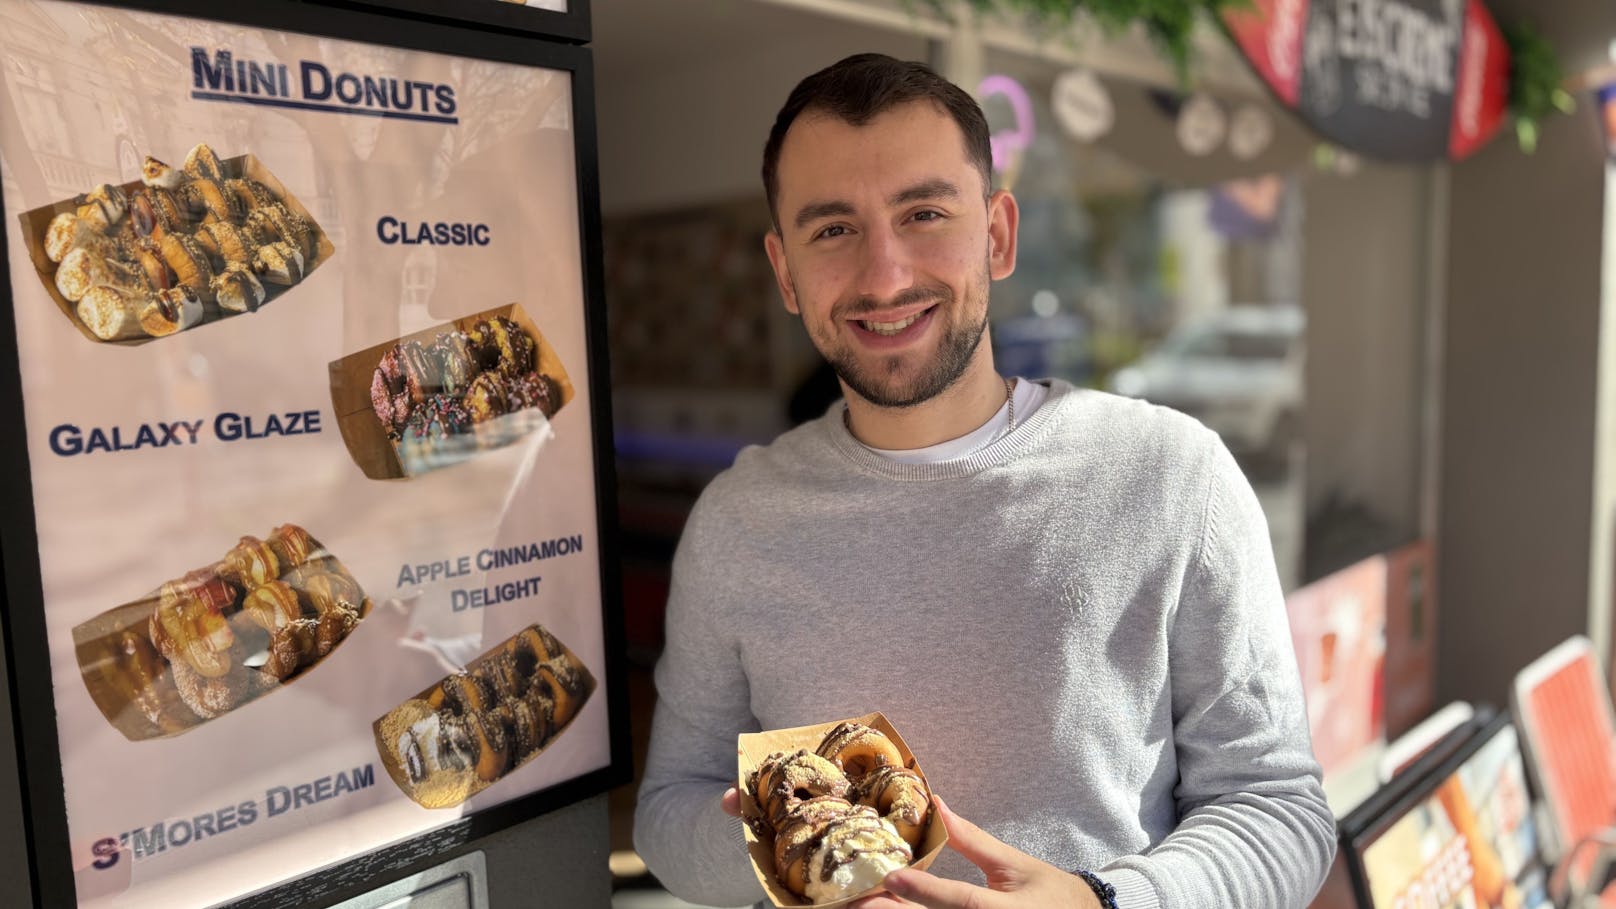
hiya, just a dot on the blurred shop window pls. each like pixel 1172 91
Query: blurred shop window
pixel 39 104
pixel 1239 371
pixel 1130 281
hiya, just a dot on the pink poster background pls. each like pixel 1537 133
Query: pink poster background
pixel 1338 626
pixel 88 91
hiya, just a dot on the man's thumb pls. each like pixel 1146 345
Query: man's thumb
pixel 976 844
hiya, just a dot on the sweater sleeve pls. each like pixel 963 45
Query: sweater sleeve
pixel 1255 828
pixel 703 701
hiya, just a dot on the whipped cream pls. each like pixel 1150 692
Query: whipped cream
pixel 859 853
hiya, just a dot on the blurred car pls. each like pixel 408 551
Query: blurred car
pixel 1238 371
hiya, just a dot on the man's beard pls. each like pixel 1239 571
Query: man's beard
pixel 871 381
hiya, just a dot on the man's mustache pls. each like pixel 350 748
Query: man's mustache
pixel 859 307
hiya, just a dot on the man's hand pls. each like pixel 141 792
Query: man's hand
pixel 1015 880
pixel 732 802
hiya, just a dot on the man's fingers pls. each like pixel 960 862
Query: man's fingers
pixel 921 888
pixel 976 844
pixel 731 802
pixel 883 901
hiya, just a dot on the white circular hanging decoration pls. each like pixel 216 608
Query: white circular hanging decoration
pixel 1251 131
pixel 1082 106
pixel 1201 125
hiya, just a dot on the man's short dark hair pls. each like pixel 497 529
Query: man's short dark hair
pixel 863 86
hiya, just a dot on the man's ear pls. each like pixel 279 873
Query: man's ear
pixel 1004 218
pixel 775 247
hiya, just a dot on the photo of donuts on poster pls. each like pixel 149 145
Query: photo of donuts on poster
pixel 308 420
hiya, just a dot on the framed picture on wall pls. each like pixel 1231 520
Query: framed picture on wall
pixel 310 566
pixel 565 20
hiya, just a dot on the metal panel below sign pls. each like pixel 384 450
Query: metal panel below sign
pixel 458 884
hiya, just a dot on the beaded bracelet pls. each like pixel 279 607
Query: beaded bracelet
pixel 1106 892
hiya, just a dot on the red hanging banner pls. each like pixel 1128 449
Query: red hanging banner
pixel 1399 79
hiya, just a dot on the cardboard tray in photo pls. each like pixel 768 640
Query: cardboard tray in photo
pixel 474 784
pixel 375 454
pixel 102 663
pixel 751 749
pixel 35 222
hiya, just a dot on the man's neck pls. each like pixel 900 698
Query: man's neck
pixel 959 410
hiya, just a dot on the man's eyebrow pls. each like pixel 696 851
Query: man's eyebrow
pixel 815 210
pixel 926 189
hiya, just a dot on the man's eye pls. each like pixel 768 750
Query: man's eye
pixel 928 215
pixel 835 230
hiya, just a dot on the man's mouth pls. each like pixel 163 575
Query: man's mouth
pixel 888 329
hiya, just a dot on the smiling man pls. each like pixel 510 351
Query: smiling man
pixel 1065 600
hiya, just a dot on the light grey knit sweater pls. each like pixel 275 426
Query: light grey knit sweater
pixel 1078 630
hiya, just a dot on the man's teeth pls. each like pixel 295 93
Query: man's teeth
pixel 890 328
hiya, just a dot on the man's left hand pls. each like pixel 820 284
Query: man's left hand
pixel 1016 880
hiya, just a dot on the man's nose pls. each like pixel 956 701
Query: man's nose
pixel 886 267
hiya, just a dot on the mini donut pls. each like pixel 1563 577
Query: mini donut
pixel 535 643
pixel 856 749
pixel 388 395
pixel 493 748
pixel 291 227
pixel 250 193
pixel 502 672
pixel 798 830
pixel 559 680
pixel 487 397
pixel 175 309
pixel 423 372
pixel 184 628
pixel 209 697
pixel 203 584
pixel 252 563
pixel 237 289
pixel 783 780
pixel 900 796
pixel 225 241
pixel 289 647
pixel 292 546
pixel 454 351
pixel 202 162
pixel 334 626
pixel 523 727
pixel 515 347
pixel 206 199
pixel 143 680
pixel 276 261
pixel 328 591
pixel 189 262
pixel 273 606
pixel 155 269
pixel 461 693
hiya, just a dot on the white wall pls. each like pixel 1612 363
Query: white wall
pixel 693 134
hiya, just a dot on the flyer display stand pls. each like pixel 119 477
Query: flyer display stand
pixel 309 558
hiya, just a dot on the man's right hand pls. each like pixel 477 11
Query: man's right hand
pixel 732 802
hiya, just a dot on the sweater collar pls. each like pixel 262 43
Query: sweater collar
pixel 1026 434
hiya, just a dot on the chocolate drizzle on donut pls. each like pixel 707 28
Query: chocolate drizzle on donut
pixel 850 800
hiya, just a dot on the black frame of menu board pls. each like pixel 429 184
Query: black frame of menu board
pixel 1368 822
pixel 572 25
pixel 22 615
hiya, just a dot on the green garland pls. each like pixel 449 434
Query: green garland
pixel 1170 23
pixel 1536 83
